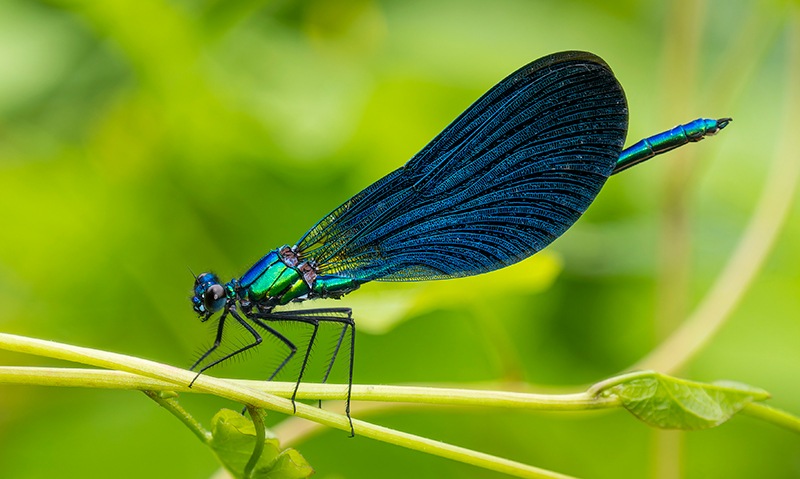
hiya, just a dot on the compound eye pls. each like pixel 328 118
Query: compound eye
pixel 213 297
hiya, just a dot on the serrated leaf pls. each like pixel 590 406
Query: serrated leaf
pixel 672 403
pixel 233 440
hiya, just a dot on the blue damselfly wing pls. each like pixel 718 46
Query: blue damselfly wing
pixel 500 183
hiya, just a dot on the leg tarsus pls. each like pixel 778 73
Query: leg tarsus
pixel 315 323
pixel 217 342
pixel 350 379
pixel 292 348
pixel 314 317
pixel 257 340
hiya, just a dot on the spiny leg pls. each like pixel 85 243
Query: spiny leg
pixel 350 373
pixel 311 340
pixel 300 319
pixel 349 322
pixel 284 339
pixel 319 315
pixel 333 359
pixel 340 315
pixel 217 341
pixel 257 340
pixel 339 341
pixel 305 360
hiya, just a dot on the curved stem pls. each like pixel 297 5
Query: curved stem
pixel 757 241
pixel 247 395
pixel 261 434
pixel 98 378
pixel 168 402
pixel 774 416
pixel 391 397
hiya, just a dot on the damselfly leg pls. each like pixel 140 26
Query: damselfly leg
pixel 257 339
pixel 314 317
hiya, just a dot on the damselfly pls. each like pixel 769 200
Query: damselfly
pixel 505 179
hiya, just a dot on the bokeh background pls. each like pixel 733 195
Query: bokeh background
pixel 140 139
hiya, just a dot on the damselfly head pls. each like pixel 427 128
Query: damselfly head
pixel 209 296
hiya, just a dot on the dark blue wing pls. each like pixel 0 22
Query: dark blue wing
pixel 500 183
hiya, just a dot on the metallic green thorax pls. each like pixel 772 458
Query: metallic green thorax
pixel 279 278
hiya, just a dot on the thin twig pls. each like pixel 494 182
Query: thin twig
pixel 258 448
pixel 99 378
pixel 168 402
pixel 247 395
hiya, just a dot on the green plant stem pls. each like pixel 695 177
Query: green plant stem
pixel 261 434
pixel 598 388
pixel 247 395
pixel 773 415
pixel 172 405
pixel 98 378
pixel 589 400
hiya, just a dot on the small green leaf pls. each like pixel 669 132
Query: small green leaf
pixel 233 440
pixel 671 403
pixel 289 465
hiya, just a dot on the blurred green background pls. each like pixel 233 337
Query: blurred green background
pixel 141 138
